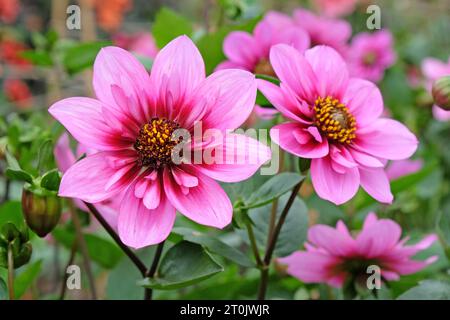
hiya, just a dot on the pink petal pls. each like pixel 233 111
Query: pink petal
pixel 376 183
pixel 405 267
pixel 390 275
pixel 139 227
pixel 330 239
pixel 293 69
pixel 177 70
pixel 371 218
pixel 240 47
pixel 364 101
pixel 63 154
pixel 388 139
pixel 310 267
pixel 230 65
pixel 330 185
pixel 365 160
pixel 117 67
pixel 295 37
pixel 401 168
pixel 83 118
pixel 206 203
pixel 330 70
pixel 293 138
pixel 241 157
pixel 441 114
pixel 87 179
pixel 378 238
pixel 228 97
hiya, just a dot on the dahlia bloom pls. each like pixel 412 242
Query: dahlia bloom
pixel 401 168
pixel 335 121
pixel 334 33
pixel 131 124
pixel 251 51
pixel 335 8
pixel 433 69
pixel 65 158
pixel 371 54
pixel 333 255
pixel 141 43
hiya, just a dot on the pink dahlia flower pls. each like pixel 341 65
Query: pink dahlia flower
pixel 132 123
pixel 334 33
pixel 335 121
pixel 371 54
pixel 401 168
pixel 141 43
pixel 251 51
pixel 333 255
pixel 65 158
pixel 433 69
pixel 335 8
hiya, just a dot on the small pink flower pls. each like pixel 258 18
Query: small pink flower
pixel 65 158
pixel 251 51
pixel 401 168
pixel 141 43
pixel 335 121
pixel 332 255
pixel 131 125
pixel 335 8
pixel 371 54
pixel 433 69
pixel 334 33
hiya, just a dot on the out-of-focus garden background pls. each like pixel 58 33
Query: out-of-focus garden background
pixel 42 61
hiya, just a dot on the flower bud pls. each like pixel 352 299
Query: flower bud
pixel 41 208
pixel 441 92
pixel 16 240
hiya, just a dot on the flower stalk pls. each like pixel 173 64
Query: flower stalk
pixel 10 272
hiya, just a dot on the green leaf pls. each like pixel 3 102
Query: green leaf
pixel 11 211
pixel 23 281
pixel 273 188
pixel 82 56
pixel 169 25
pixel 215 246
pixel 38 58
pixel 268 78
pixel 184 264
pixel 19 175
pixel 293 231
pixel 51 180
pixel 102 251
pixel 45 156
pixel 428 290
pixel 3 290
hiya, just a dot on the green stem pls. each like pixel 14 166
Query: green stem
pixel 10 272
pixel 251 236
pixel 152 271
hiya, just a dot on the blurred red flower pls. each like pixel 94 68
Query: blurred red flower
pixel 10 53
pixel 9 10
pixel 110 12
pixel 17 92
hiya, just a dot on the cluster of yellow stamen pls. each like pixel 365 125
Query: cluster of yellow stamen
pixel 334 120
pixel 154 143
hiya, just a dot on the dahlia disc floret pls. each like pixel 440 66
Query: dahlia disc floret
pixel 334 256
pixel 131 124
pixel 335 121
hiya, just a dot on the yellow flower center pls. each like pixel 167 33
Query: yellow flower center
pixel 154 143
pixel 334 120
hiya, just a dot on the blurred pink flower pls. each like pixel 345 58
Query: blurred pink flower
pixel 334 33
pixel 401 168
pixel 18 92
pixel 335 121
pixel 141 43
pixel 251 51
pixel 335 8
pixel 332 255
pixel 65 158
pixel 371 54
pixel 131 125
pixel 9 10
pixel 433 69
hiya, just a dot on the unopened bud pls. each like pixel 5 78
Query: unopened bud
pixel 441 92
pixel 41 208
pixel 11 238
